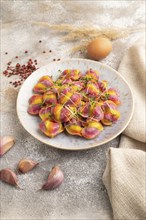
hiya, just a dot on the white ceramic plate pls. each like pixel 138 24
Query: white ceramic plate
pixel 63 140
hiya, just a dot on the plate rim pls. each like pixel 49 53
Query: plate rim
pixel 93 145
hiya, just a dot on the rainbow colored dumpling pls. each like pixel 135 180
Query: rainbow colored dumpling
pixel 51 128
pixel 49 98
pixel 92 129
pixel 44 83
pixel 111 114
pixel 35 104
pixel 45 113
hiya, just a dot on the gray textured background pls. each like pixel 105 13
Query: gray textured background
pixel 82 195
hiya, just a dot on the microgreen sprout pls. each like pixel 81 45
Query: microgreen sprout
pixel 106 96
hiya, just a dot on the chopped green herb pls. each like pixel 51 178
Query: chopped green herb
pixel 107 96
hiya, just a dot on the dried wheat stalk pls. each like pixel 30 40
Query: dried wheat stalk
pixel 87 33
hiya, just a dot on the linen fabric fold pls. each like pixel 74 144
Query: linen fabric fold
pixel 125 173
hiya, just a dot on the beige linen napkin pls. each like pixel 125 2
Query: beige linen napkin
pixel 125 173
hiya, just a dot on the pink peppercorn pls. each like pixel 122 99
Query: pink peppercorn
pixel 22 71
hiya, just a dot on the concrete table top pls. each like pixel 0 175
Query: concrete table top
pixel 82 195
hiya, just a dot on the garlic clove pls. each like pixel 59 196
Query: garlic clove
pixel 6 142
pixel 8 176
pixel 26 165
pixel 55 179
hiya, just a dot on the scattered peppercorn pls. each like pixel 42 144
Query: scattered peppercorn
pixel 21 71
pixel 26 51
pixel 6 52
pixel 16 57
pixel 17 65
pixel 40 41
pixel 50 51
pixel 58 59
pixel 44 51
pixel 54 59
